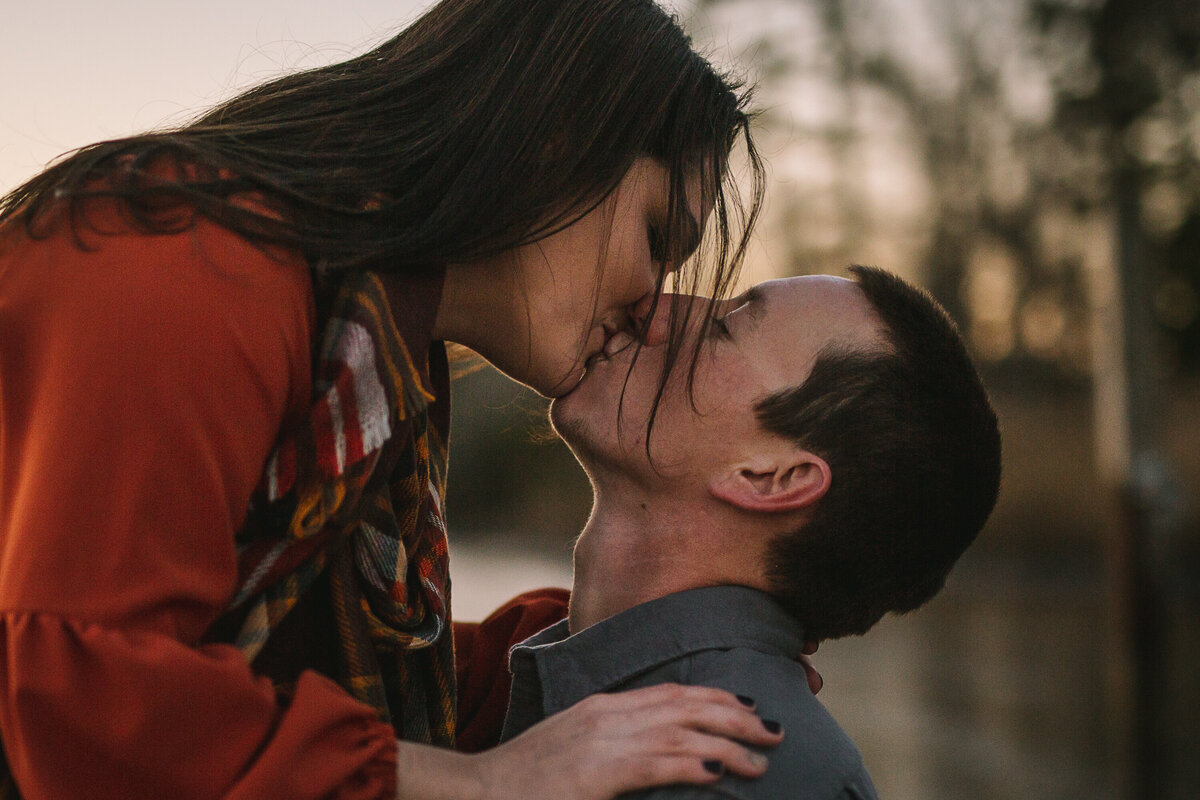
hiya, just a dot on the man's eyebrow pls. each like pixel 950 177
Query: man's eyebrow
pixel 751 301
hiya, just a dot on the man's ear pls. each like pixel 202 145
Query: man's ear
pixel 789 482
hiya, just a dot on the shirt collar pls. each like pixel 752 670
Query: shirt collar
pixel 568 668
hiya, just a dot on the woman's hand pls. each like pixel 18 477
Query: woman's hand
pixel 605 745
pixel 613 743
pixel 815 681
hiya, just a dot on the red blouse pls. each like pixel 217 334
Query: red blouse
pixel 142 385
pixel 481 662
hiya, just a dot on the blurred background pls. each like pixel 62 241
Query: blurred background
pixel 1036 165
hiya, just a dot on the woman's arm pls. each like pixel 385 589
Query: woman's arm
pixel 142 385
pixel 599 748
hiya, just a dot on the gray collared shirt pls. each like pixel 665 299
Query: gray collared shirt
pixel 730 637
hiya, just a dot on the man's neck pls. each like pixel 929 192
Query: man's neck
pixel 634 550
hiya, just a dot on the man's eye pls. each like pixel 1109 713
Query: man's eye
pixel 720 328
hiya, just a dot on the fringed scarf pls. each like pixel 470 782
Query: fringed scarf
pixel 356 491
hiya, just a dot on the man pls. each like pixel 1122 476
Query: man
pixel 831 457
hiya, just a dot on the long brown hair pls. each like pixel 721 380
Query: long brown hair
pixel 484 125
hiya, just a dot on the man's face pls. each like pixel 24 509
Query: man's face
pixel 764 341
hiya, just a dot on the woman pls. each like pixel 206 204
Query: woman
pixel 224 405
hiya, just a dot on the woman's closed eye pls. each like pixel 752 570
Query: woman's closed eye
pixel 658 244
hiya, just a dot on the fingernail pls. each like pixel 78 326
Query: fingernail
pixel 772 726
pixel 746 701
pixel 758 759
pixel 715 767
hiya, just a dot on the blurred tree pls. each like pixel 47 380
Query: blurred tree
pixel 980 147
pixel 1036 164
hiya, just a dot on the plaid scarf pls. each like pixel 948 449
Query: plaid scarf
pixel 356 491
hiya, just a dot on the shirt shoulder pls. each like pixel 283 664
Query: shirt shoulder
pixel 817 760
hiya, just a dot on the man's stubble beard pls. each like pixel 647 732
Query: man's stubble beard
pixel 583 438
pixel 576 433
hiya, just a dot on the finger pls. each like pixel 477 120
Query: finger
pixel 671 770
pixel 675 693
pixel 717 755
pixel 701 708
pixel 815 681
pixel 686 710
pixel 676 747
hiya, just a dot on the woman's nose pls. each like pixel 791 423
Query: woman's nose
pixel 653 320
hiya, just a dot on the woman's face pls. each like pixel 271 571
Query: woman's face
pixel 573 290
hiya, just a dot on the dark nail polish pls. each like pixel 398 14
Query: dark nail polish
pixel 772 726
pixel 714 766
pixel 746 701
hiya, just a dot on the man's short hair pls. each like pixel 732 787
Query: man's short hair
pixel 913 446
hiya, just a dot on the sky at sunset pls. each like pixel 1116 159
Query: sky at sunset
pixel 74 72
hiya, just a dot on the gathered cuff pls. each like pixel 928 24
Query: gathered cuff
pixel 98 711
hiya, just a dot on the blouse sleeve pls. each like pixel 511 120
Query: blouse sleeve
pixel 481 662
pixel 143 382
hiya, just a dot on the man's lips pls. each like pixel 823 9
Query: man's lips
pixel 613 345
pixel 615 341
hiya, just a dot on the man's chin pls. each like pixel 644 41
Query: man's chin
pixel 572 428
pixel 563 410
pixel 585 417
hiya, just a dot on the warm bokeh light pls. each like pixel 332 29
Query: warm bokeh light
pixel 73 73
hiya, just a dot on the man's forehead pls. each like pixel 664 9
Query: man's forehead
pixel 822 295
pixel 800 316
pixel 794 315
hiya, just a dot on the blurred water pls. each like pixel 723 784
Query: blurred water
pixel 483 575
pixel 996 689
pixel 993 690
